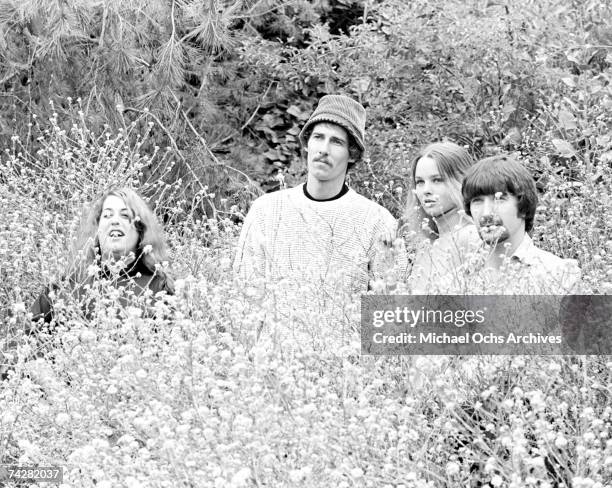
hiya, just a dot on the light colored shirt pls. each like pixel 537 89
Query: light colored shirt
pixel 322 246
pixel 529 271
pixel 438 265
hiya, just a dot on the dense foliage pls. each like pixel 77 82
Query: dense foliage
pixel 189 101
pixel 231 82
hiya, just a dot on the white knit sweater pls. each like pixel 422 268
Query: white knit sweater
pixel 322 244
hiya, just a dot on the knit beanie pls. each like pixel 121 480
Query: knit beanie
pixel 344 111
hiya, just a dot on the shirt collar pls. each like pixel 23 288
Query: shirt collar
pixel 343 191
pixel 524 253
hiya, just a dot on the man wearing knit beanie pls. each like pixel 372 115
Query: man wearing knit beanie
pixel 321 236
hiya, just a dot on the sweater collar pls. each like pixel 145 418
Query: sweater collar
pixel 343 192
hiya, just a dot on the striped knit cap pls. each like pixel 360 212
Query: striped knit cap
pixel 344 111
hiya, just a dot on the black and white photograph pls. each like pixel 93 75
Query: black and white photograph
pixel 306 243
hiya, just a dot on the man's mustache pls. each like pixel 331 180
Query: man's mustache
pixel 489 220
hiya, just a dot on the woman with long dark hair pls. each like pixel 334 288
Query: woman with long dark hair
pixel 120 241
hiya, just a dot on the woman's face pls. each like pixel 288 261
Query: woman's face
pixel 117 233
pixel 432 188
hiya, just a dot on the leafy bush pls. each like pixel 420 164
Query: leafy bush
pixel 126 400
pixel 229 84
pixel 219 386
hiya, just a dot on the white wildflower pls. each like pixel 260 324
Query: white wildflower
pixel 241 477
pixel 452 468
pixel 62 419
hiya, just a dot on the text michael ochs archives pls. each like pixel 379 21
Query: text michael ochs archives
pixel 485 324
pixel 458 318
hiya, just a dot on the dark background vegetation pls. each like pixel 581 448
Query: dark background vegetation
pixel 229 83
pixel 219 90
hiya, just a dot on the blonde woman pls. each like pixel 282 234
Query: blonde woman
pixel 445 234
pixel 120 241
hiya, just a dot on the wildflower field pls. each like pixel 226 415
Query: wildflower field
pixel 217 388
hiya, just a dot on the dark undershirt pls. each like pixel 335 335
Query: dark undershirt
pixel 135 275
pixel 343 192
pixel 130 271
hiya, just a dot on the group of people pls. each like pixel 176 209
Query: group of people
pixel 470 225
pixel 470 221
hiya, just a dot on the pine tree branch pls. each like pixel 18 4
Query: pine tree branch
pixel 172 18
pixel 204 143
pixel 172 140
pixel 246 124
pixel 250 13
pixel 104 19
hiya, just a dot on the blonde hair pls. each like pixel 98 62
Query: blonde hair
pixel 452 161
pixel 150 234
